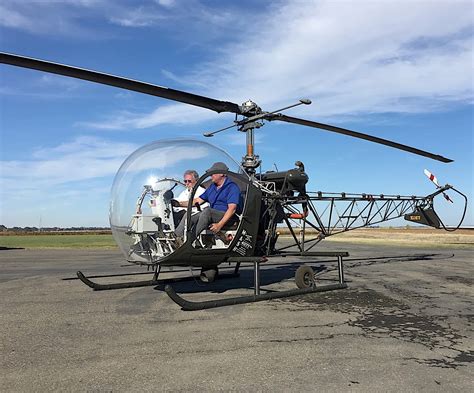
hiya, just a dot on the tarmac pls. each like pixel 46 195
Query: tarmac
pixel 403 324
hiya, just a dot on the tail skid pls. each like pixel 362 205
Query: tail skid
pixel 426 215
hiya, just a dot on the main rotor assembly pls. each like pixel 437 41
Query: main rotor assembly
pixel 252 115
pixel 248 124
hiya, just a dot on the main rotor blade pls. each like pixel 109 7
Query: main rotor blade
pixel 360 135
pixel 117 81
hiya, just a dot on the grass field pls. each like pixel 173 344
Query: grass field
pixel 58 241
pixel 378 236
pixel 402 237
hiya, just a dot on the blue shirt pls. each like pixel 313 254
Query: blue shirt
pixel 219 199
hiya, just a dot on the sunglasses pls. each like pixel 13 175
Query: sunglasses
pixel 187 181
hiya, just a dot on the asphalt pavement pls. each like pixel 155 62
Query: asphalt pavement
pixel 403 324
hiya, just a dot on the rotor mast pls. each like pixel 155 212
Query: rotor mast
pixel 251 161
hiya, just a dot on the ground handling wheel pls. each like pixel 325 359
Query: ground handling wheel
pixel 304 277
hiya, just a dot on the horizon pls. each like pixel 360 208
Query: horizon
pixel 309 230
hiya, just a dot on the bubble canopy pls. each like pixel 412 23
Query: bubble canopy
pixel 147 167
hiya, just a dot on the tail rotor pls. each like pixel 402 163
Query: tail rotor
pixel 434 180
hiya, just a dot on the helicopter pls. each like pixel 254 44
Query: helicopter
pixel 142 209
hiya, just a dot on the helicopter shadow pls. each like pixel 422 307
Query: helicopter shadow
pixel 245 280
pixel 275 273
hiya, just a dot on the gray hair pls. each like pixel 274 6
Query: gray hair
pixel 193 173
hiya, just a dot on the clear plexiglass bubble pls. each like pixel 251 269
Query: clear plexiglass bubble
pixel 144 182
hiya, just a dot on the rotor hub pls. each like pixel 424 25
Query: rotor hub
pixel 250 108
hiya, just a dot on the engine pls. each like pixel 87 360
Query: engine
pixel 288 181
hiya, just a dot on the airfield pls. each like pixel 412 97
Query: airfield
pixel 404 324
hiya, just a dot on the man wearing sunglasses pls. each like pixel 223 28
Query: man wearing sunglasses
pixel 190 178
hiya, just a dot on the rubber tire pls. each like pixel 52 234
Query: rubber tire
pixel 304 277
pixel 209 275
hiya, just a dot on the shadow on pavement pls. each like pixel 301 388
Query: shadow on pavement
pixel 245 280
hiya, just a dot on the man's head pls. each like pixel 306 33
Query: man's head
pixel 218 178
pixel 190 178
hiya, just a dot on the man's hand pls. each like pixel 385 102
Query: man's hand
pixel 231 208
pixel 216 227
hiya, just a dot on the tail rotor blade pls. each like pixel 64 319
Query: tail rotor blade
pixel 432 177
pixel 446 196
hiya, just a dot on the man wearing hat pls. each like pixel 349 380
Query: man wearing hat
pixel 223 196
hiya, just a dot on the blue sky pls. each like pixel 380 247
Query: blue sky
pixel 401 70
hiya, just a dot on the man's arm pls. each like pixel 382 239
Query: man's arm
pixel 195 200
pixel 231 208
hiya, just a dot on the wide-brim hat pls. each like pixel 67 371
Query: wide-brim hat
pixel 218 166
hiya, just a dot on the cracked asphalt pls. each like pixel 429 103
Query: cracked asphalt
pixel 404 324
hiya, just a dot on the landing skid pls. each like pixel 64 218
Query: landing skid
pixel 103 287
pixel 187 305
pixel 146 283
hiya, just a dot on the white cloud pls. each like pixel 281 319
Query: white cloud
pixel 54 17
pixel 12 18
pixel 63 184
pixel 137 17
pixel 83 158
pixel 177 114
pixel 349 58
pixel 58 82
pixel 71 18
pixel 166 3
